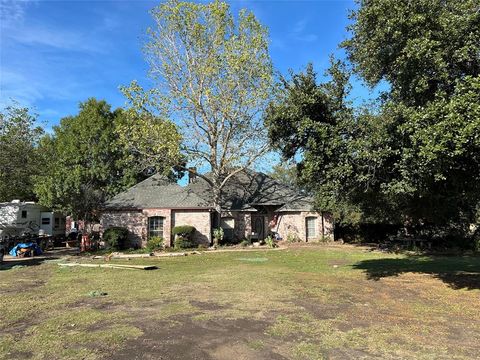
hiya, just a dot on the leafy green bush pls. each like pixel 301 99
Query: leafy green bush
pixel 155 243
pixel 292 238
pixel 270 242
pixel 183 236
pixel 217 236
pixel 115 238
pixel 184 230
pixel 182 243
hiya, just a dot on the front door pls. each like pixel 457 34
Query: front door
pixel 258 227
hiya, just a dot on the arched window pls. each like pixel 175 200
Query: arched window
pixel 155 226
pixel 311 227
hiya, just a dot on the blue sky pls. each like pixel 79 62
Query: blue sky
pixel 55 54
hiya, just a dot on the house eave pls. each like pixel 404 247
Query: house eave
pixel 139 209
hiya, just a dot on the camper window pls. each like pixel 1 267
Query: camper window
pixel 24 214
pixel 45 221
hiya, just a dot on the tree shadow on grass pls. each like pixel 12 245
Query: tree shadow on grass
pixel 26 262
pixel 459 272
pixel 10 262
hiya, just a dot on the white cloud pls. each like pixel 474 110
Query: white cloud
pixel 299 27
pixel 31 79
pixel 12 12
pixel 57 38
pixel 14 85
pixel 298 32
pixel 40 61
pixel 15 29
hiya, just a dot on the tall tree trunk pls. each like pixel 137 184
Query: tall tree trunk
pixel 217 197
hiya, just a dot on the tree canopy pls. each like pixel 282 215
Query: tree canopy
pixel 213 76
pixel 19 155
pixel 87 159
pixel 412 156
pixel 429 53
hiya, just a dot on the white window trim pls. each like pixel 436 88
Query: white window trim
pixel 308 235
pixel 158 231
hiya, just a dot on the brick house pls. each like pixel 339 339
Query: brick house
pixel 253 206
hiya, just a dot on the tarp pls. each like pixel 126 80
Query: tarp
pixel 33 246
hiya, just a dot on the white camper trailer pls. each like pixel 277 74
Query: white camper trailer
pixel 18 218
pixel 52 223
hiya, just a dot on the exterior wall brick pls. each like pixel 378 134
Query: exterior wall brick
pixel 294 224
pixel 137 223
pixel 200 219
pixel 134 221
pixel 288 223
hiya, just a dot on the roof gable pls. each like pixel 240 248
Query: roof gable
pixel 156 192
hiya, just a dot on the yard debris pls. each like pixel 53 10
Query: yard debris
pixel 26 250
pixel 118 255
pixel 112 266
pixel 96 293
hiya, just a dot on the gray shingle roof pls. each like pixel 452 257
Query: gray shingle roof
pixel 248 189
pixel 245 191
pixel 156 192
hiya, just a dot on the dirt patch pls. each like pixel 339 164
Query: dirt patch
pixel 94 303
pixel 183 338
pixel 342 354
pixel 20 355
pixel 22 285
pixel 322 311
pixel 209 306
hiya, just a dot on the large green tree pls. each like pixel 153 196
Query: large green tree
pixel 87 158
pixel 314 124
pixel 412 156
pixel 285 173
pixel 213 75
pixel 429 54
pixel 19 156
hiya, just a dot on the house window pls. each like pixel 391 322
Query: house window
pixel 155 226
pixel 311 226
pixel 45 221
pixel 228 225
pixel 24 214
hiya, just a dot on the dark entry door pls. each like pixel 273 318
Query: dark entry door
pixel 258 227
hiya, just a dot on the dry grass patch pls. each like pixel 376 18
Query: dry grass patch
pixel 301 303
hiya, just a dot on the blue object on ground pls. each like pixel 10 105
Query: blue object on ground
pixel 36 250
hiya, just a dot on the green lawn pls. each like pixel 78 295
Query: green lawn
pixel 299 303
